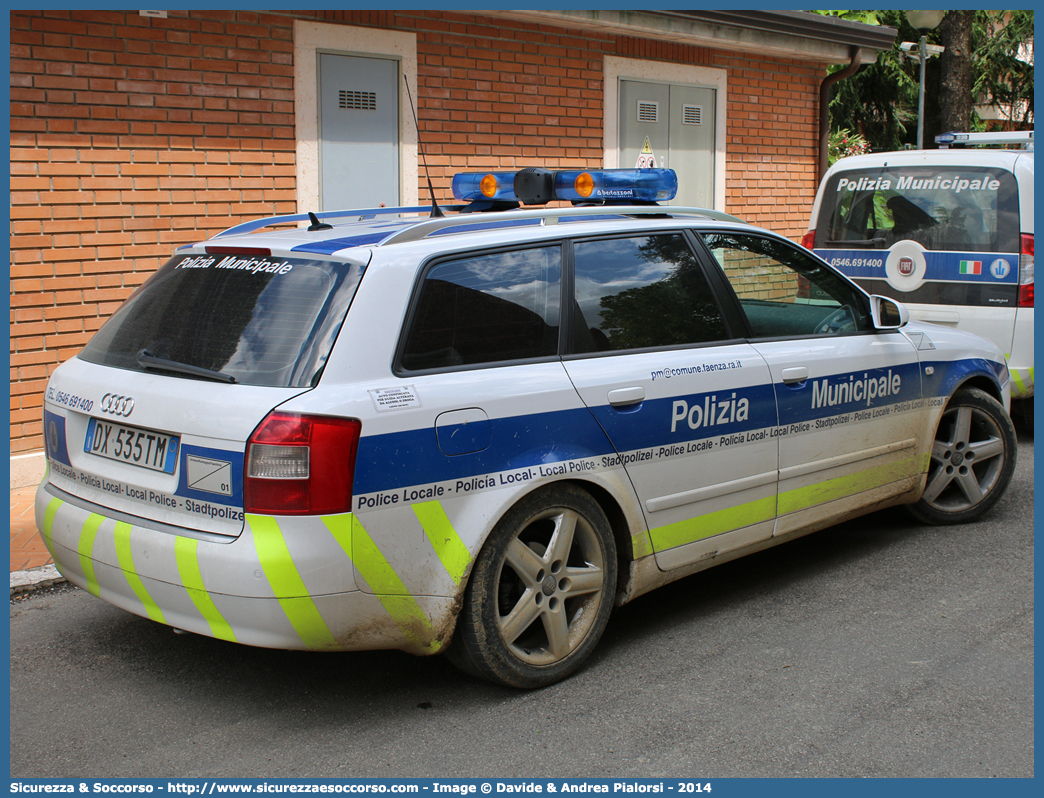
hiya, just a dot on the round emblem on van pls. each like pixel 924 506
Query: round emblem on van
pixel 117 405
pixel 52 438
pixel 905 266
pixel 1000 268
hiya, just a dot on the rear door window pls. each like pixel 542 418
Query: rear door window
pixel 263 320
pixel 641 292
pixel 486 308
pixel 963 209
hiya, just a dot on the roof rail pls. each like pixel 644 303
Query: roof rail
pixel 1024 137
pixel 546 216
pixel 362 213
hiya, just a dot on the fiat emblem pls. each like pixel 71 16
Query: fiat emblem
pixel 906 266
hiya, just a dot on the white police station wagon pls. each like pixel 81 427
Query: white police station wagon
pixel 477 433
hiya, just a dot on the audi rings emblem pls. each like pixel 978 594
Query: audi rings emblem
pixel 117 405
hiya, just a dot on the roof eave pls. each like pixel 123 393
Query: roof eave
pixel 787 34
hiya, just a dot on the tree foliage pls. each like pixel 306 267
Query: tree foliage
pixel 1002 42
pixel 880 100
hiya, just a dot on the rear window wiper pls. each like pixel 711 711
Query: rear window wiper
pixel 148 360
pixel 859 243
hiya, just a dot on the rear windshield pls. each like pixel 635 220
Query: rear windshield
pixel 965 209
pixel 262 320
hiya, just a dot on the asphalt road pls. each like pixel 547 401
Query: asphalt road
pixel 879 647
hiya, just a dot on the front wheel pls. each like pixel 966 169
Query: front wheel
pixel 972 460
pixel 541 591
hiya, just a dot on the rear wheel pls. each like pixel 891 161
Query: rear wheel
pixel 972 460
pixel 541 591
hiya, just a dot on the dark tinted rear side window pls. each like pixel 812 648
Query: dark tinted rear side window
pixel 265 321
pixel 956 208
pixel 647 291
pixel 486 308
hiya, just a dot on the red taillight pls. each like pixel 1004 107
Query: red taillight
pixel 300 465
pixel 808 240
pixel 1026 271
pixel 1026 295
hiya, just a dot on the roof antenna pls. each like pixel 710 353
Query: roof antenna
pixel 436 212
pixel 316 224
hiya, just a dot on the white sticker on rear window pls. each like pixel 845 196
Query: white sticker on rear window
pixel 389 399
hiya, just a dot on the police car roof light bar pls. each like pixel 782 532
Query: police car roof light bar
pixel 1024 137
pixel 534 186
pixel 613 189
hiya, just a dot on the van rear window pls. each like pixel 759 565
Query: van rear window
pixel 964 209
pixel 263 320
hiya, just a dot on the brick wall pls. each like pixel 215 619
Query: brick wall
pixel 772 155
pixel 131 136
pixel 506 94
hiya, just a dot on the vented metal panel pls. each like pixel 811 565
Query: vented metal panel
pixel 648 111
pixel 681 138
pixel 358 131
pixel 692 115
pixel 359 100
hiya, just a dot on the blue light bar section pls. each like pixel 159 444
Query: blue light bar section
pixel 466 187
pixel 616 185
pixel 621 186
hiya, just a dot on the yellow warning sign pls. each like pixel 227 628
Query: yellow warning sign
pixel 646 159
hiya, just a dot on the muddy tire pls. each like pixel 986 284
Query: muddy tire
pixel 540 593
pixel 972 460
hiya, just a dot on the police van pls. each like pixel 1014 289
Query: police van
pixel 949 232
pixel 475 430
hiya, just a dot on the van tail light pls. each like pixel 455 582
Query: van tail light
pixel 804 287
pixel 808 240
pixel 301 465
pixel 1026 271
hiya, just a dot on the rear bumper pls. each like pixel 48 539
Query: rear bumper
pixel 285 583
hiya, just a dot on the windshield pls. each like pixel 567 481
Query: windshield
pixel 261 320
pixel 957 208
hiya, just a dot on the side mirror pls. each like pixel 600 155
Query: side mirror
pixel 887 313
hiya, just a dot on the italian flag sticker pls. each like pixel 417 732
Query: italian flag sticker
pixel 971 267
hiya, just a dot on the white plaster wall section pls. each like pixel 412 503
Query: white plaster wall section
pixel 310 38
pixel 614 68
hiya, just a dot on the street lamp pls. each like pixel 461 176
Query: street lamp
pixel 924 21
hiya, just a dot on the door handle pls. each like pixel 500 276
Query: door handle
pixel 626 396
pixel 795 375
